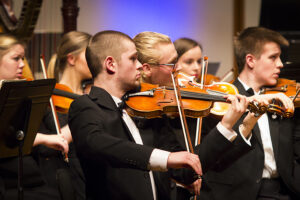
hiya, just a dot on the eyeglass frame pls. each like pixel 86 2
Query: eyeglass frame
pixel 173 65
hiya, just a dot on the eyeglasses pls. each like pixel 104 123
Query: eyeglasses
pixel 172 65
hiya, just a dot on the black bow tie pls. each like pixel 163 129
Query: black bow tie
pixel 250 91
pixel 121 106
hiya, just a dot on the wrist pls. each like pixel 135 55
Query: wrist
pixel 228 126
pixel 245 131
pixel 248 124
pixel 38 139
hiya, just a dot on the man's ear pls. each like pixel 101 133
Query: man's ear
pixel 250 60
pixel 71 59
pixel 110 64
pixel 147 70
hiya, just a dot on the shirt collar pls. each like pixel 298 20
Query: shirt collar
pixel 117 100
pixel 246 87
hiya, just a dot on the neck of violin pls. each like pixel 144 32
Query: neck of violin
pixel 202 96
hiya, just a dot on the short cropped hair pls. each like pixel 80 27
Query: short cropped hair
pixel 252 40
pixel 103 44
pixel 183 45
pixel 146 43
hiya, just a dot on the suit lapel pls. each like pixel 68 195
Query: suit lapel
pixel 255 131
pixel 104 99
pixel 127 130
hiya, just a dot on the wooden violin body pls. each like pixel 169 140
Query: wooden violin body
pixel 215 88
pixel 154 101
pixel 62 98
pixel 286 86
pixel 289 88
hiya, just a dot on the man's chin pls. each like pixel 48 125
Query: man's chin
pixel 136 87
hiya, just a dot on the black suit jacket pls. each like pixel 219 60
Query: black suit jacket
pixel 242 178
pixel 114 166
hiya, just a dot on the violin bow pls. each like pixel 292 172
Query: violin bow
pixel 185 129
pixel 296 95
pixel 186 134
pixel 53 110
pixel 204 70
pixel 199 120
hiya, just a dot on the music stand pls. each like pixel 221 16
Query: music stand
pixel 22 106
pixel 213 67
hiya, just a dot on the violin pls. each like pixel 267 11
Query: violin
pixel 216 88
pixel 209 79
pixel 62 98
pixel 154 101
pixel 288 87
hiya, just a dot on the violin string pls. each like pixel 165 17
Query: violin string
pixel 203 96
pixel 194 95
pixel 214 92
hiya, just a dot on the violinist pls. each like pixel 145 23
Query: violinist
pixel 12 53
pixel 68 65
pixel 190 59
pixel 114 159
pixel 271 170
pixel 189 56
pixel 157 53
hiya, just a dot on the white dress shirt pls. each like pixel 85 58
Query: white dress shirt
pixel 270 169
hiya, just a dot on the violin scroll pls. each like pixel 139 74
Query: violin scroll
pixel 288 87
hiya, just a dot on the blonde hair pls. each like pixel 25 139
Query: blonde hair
pixel 146 42
pixel 73 43
pixel 7 41
pixel 51 67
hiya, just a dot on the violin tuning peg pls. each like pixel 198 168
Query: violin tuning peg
pixel 274 116
pixel 256 114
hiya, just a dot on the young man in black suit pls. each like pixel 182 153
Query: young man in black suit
pixel 115 162
pixel 271 170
